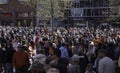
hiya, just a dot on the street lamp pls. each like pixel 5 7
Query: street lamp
pixel 52 19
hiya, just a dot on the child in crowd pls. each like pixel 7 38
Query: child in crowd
pixel 90 68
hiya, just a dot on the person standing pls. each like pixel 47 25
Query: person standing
pixel 73 65
pixel 83 61
pixel 61 63
pixel 52 67
pixel 119 65
pixel 106 64
pixel 2 57
pixel 9 54
pixel 89 68
pixel 21 60
pixel 64 51
pixel 37 67
pixel 32 49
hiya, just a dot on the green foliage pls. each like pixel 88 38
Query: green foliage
pixel 114 13
pixel 114 3
pixel 43 7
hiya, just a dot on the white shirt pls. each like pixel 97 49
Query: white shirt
pixel 106 65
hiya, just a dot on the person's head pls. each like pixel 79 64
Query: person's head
pixel 20 48
pixel 57 53
pixel 3 45
pixel 102 53
pixel 91 45
pixel 118 42
pixel 41 52
pixel 32 43
pixel 53 70
pixel 63 44
pixel 23 42
pixel 90 67
pixel 53 63
pixel 50 44
pixel 75 59
pixel 9 46
pixel 41 44
pixel 37 67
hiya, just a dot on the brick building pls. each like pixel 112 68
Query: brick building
pixel 15 12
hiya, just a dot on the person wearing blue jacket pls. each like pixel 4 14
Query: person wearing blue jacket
pixel 64 51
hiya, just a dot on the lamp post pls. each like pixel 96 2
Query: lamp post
pixel 52 19
pixel 1 12
pixel 13 18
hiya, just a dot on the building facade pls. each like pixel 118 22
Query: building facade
pixel 15 13
pixel 89 12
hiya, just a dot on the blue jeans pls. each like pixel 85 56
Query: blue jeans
pixel 9 68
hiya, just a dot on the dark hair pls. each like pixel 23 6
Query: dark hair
pixel 50 44
pixel 57 52
pixel 63 44
pixel 89 65
pixel 41 52
pixel 32 43
pixel 102 51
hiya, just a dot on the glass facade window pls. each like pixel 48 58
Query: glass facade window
pixel 90 8
pixel 3 1
pixel 22 0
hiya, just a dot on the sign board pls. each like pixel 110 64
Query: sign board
pixel 23 15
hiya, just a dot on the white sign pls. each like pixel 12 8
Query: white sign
pixel 23 14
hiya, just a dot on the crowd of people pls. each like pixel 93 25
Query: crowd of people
pixel 62 50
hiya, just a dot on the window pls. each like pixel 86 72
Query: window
pixel 22 0
pixel 23 14
pixel 6 14
pixel 77 12
pixel 3 1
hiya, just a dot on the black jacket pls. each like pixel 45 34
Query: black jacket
pixel 62 65
pixel 2 55
pixel 9 55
